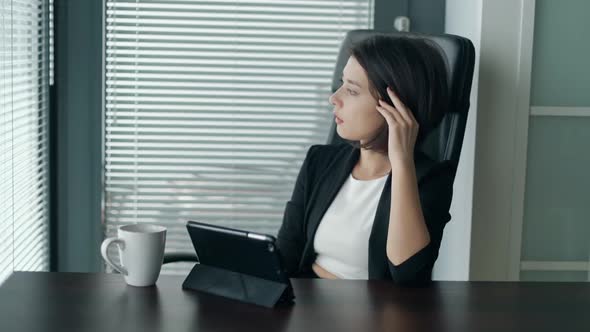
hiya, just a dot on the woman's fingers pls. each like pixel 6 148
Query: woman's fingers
pixel 399 119
pixel 392 114
pixel 401 107
pixel 387 115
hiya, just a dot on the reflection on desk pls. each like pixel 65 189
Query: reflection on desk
pixel 42 301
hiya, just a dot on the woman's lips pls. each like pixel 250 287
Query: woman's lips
pixel 338 120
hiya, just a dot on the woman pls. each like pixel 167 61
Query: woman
pixel 375 208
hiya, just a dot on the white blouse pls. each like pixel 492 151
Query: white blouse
pixel 342 238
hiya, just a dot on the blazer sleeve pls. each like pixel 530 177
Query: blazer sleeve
pixel 436 191
pixel 291 237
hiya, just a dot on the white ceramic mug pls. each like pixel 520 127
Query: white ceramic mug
pixel 141 249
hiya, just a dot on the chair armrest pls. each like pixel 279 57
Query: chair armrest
pixel 180 257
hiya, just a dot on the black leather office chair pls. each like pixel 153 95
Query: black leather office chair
pixel 445 141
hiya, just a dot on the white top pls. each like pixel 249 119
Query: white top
pixel 342 238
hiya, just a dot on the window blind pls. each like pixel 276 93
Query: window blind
pixel 211 106
pixel 24 74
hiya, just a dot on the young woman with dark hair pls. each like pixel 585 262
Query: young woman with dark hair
pixel 375 208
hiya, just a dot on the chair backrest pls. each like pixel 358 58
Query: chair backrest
pixel 445 141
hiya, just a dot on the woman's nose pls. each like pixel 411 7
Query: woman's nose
pixel 333 98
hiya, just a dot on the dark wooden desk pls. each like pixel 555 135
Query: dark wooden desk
pixel 79 302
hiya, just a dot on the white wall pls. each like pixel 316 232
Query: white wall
pixel 500 163
pixel 463 18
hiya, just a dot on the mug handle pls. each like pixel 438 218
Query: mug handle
pixel 103 251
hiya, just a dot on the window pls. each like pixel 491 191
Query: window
pixel 24 84
pixel 211 106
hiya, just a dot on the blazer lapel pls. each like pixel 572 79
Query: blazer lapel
pixel 330 182
pixel 378 238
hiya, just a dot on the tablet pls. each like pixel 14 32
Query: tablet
pixel 238 251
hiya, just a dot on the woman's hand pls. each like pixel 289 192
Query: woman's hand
pixel 403 130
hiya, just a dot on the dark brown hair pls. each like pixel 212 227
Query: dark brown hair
pixel 414 68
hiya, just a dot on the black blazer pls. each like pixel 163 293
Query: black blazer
pixel 324 171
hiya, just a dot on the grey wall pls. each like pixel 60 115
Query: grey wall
pixel 426 16
pixel 78 131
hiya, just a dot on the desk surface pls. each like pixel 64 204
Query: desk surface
pixel 41 301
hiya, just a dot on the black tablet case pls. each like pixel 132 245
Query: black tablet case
pixel 235 266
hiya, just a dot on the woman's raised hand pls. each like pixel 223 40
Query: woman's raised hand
pixel 403 130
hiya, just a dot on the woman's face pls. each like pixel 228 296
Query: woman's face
pixel 355 110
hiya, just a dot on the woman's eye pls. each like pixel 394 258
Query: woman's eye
pixel 349 91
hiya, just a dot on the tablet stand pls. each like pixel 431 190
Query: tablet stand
pixel 238 286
